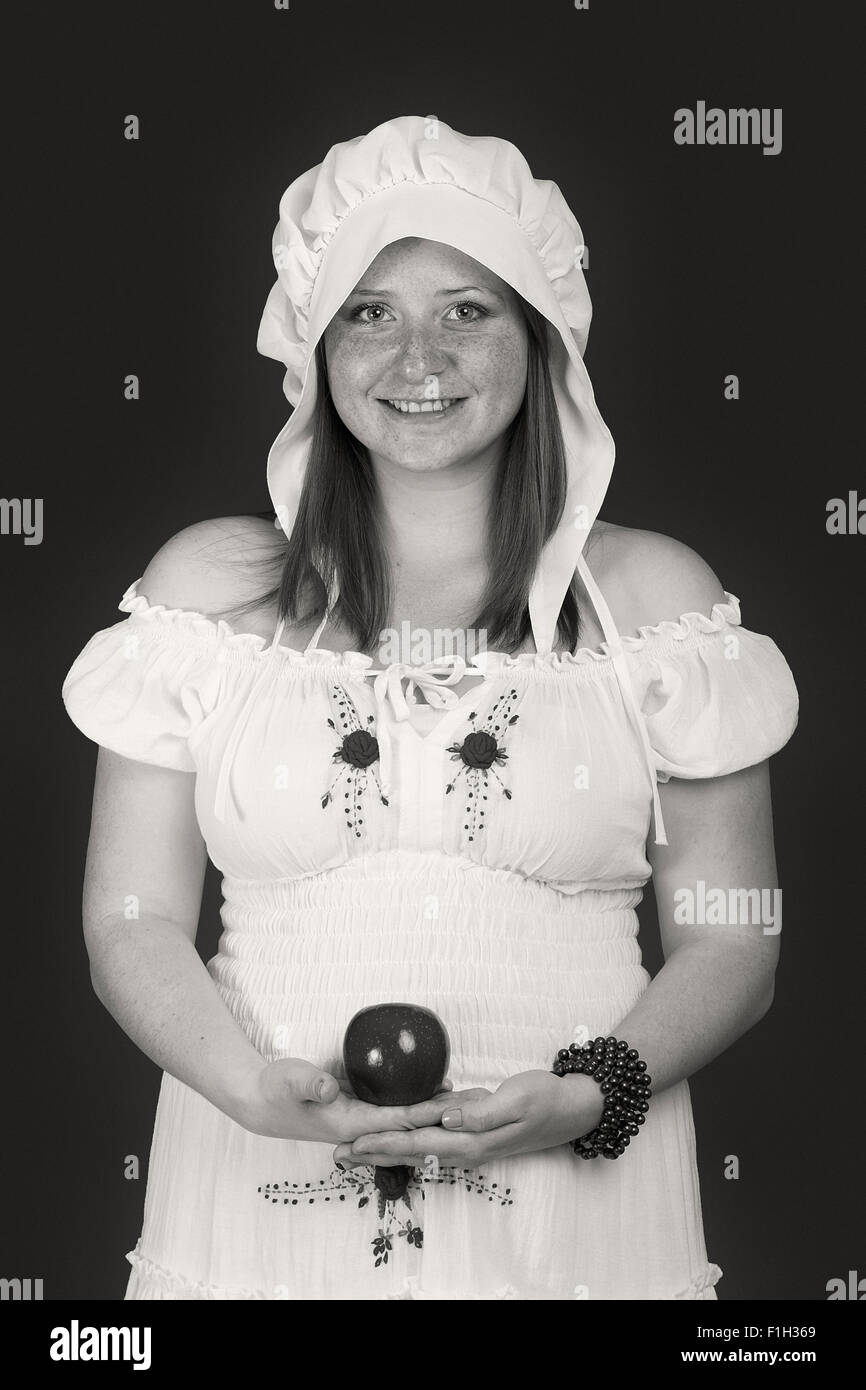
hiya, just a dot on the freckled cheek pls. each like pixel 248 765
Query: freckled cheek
pixel 499 374
pixel 354 366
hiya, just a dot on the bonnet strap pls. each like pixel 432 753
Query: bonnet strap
pixel 614 643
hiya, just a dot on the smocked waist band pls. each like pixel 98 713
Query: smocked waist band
pixel 406 886
pixel 513 966
pixel 400 908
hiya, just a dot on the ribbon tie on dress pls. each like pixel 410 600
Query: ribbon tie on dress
pixel 388 690
pixel 620 666
pixel 620 663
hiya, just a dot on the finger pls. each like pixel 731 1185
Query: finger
pixel 344 1157
pixel 382 1161
pixel 372 1118
pixel 472 1093
pixel 412 1146
pixel 489 1111
pixel 304 1081
pixel 323 1089
pixel 405 1117
pixel 448 1147
pixel 429 1112
pixel 426 1112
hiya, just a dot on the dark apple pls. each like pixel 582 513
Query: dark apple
pixel 395 1054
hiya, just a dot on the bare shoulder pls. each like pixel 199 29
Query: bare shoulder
pixel 648 578
pixel 215 565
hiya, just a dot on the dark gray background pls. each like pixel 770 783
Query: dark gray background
pixel 154 258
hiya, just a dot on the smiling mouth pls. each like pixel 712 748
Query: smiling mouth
pixel 439 406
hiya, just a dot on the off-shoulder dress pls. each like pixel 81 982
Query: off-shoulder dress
pixel 497 883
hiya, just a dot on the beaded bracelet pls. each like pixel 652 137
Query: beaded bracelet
pixel 626 1086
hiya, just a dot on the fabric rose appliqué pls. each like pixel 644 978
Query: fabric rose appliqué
pixel 356 753
pixel 480 753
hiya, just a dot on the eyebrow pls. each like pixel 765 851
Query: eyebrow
pixel 461 289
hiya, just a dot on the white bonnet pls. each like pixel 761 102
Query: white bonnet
pixel 415 176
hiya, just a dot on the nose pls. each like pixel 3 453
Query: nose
pixel 421 356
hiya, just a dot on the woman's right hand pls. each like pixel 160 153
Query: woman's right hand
pixel 283 1101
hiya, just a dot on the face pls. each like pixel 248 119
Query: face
pixel 428 326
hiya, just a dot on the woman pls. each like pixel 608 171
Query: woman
pixel 469 834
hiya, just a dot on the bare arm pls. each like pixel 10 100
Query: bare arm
pixel 142 896
pixel 717 980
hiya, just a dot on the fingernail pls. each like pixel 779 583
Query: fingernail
pixel 320 1087
pixel 453 1117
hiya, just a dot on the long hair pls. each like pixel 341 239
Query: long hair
pixel 337 527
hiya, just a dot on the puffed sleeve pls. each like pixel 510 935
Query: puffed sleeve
pixel 715 696
pixel 143 685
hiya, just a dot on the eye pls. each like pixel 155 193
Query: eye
pixel 378 312
pixel 362 308
pixel 467 304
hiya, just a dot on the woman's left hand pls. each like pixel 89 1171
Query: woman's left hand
pixel 530 1111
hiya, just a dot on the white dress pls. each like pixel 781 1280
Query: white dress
pixel 507 905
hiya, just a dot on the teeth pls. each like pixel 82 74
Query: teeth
pixel 421 407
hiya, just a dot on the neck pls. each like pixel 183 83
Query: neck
pixel 435 520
